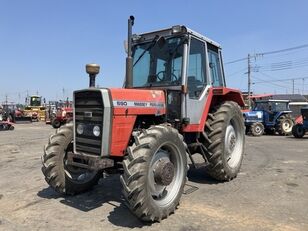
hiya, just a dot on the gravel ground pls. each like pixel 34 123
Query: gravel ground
pixel 270 193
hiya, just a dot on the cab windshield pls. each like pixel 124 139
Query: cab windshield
pixel 158 63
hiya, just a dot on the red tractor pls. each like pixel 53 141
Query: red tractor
pixel 175 104
pixel 64 115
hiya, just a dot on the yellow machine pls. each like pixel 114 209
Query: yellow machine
pixel 35 108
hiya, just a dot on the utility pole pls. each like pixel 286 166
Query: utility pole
pixel 249 81
pixel 293 86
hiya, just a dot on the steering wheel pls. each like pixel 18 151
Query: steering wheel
pixel 164 74
pixel 161 78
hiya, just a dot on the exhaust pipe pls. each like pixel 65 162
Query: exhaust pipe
pixel 129 58
pixel 92 69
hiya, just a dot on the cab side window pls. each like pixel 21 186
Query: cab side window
pixel 196 75
pixel 215 66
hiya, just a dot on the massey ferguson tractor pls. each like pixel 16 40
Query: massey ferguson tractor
pixel 174 105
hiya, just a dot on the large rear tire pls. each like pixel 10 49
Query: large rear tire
pixel 155 173
pixel 298 131
pixel 284 125
pixel 224 138
pixel 61 177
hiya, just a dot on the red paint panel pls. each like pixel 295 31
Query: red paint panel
pixel 135 96
pixel 122 127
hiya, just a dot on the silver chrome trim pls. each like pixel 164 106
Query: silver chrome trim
pixel 105 150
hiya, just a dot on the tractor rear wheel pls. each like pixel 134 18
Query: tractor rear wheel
pixel 155 173
pixel 298 131
pixel 61 177
pixel 284 125
pixel 224 138
pixel 56 123
pixel 257 129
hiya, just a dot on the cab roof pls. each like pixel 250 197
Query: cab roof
pixel 169 32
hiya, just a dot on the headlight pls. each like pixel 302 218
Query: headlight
pixel 63 113
pixel 96 130
pixel 80 129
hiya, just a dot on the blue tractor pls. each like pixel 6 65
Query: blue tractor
pixel 269 116
pixel 300 129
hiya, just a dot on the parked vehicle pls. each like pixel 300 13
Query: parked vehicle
pixel 269 116
pixel 64 115
pixel 35 108
pixel 175 104
pixel 300 129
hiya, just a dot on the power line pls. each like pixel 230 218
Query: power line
pixel 282 50
pixel 281 80
pixel 269 53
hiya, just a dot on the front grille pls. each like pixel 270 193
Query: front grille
pixel 89 111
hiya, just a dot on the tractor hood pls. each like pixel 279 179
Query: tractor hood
pixel 137 101
pixel 253 116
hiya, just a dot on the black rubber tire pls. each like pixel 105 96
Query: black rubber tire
pixel 135 179
pixel 11 127
pixel 55 123
pixel 54 167
pixel 257 129
pixel 298 131
pixel 280 122
pixel 214 140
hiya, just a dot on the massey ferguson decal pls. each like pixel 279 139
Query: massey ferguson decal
pixel 138 104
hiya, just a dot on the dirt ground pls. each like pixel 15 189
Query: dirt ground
pixel 270 193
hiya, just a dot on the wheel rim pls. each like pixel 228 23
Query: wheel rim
pixel 163 195
pixel 233 143
pixel 258 130
pixel 75 174
pixel 287 126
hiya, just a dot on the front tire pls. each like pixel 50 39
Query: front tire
pixel 56 123
pixel 61 177
pixel 298 131
pixel 257 129
pixel 224 138
pixel 155 173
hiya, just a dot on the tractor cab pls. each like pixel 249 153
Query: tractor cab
pixel 181 62
pixel 272 109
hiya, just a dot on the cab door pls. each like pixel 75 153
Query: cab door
pixel 197 81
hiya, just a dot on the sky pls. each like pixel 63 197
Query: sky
pixel 44 45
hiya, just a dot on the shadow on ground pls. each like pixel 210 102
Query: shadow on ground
pixel 107 191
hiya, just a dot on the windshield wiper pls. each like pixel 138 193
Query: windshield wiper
pixel 151 45
pixel 172 53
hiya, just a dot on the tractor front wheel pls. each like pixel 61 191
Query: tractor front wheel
pixel 155 173
pixel 257 129
pixel 56 123
pixel 224 138
pixel 284 125
pixel 298 131
pixel 63 178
